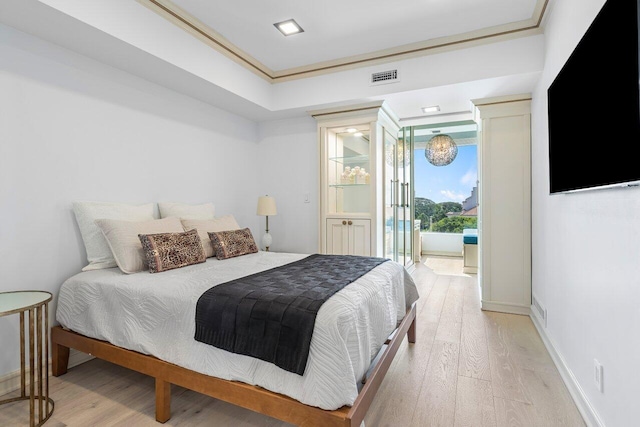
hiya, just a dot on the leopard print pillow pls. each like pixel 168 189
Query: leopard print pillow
pixel 166 251
pixel 233 243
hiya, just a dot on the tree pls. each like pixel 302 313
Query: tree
pixel 455 224
pixel 426 209
pixel 451 206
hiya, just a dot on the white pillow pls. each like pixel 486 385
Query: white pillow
pixel 185 211
pixel 223 223
pixel 98 253
pixel 122 237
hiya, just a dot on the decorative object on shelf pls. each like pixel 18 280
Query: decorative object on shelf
pixel 266 208
pixel 401 154
pixel 441 150
pixel 346 173
pixel 356 175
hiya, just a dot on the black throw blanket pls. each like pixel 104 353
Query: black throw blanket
pixel 271 315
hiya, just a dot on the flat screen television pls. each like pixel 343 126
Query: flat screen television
pixel 594 106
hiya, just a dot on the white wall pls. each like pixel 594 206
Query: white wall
pixel 288 169
pixel 586 255
pixel 74 129
pixel 133 23
pixel 511 57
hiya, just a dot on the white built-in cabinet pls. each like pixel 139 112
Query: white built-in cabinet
pixel 349 236
pixel 504 222
pixel 352 177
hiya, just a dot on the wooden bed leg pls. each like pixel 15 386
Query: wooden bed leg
pixel 59 359
pixel 411 333
pixel 163 400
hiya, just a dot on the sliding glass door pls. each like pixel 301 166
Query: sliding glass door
pixel 398 219
pixel 390 196
pixel 405 228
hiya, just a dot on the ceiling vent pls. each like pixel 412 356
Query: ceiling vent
pixel 384 77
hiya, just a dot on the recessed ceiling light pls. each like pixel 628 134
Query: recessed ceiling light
pixel 432 109
pixel 289 27
pixel 357 134
pixel 352 130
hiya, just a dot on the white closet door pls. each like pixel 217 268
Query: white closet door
pixel 505 205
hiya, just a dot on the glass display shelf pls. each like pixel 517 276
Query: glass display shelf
pixel 363 158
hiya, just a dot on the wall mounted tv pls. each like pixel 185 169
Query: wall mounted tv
pixel 594 106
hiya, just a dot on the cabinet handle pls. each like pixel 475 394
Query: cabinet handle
pixel 344 222
pixel 408 198
pixel 350 223
pixel 391 201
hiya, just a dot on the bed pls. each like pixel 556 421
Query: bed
pixel 146 322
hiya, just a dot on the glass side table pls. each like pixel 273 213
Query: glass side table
pixel 35 304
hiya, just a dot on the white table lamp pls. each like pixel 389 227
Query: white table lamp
pixel 266 208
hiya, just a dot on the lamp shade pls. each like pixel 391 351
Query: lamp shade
pixel 266 206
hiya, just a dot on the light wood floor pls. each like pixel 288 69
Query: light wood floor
pixel 467 368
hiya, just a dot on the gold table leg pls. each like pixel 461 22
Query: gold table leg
pixel 46 357
pixel 39 368
pixel 23 379
pixel 31 371
pixel 38 326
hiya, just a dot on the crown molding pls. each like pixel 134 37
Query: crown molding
pixel 373 105
pixel 501 99
pixel 178 16
pixel 183 19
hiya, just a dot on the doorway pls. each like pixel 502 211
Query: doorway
pixel 445 196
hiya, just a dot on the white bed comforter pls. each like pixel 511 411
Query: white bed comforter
pixel 154 314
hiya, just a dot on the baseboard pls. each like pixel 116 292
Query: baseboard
pixel 442 253
pixel 11 381
pixel 411 268
pixel 506 307
pixel 588 412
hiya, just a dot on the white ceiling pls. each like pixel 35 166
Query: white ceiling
pixel 340 28
pixel 129 36
pixel 454 100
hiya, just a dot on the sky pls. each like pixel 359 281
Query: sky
pixel 451 183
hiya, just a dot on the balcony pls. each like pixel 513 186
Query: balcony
pixel 451 245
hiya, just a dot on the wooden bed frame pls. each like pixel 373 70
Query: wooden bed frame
pixel 247 396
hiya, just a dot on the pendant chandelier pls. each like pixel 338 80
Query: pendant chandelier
pixel 441 150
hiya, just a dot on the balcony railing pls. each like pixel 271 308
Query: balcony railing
pixel 441 243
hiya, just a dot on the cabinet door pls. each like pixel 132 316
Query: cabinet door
pixel 337 237
pixel 346 168
pixel 360 237
pixel 349 237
